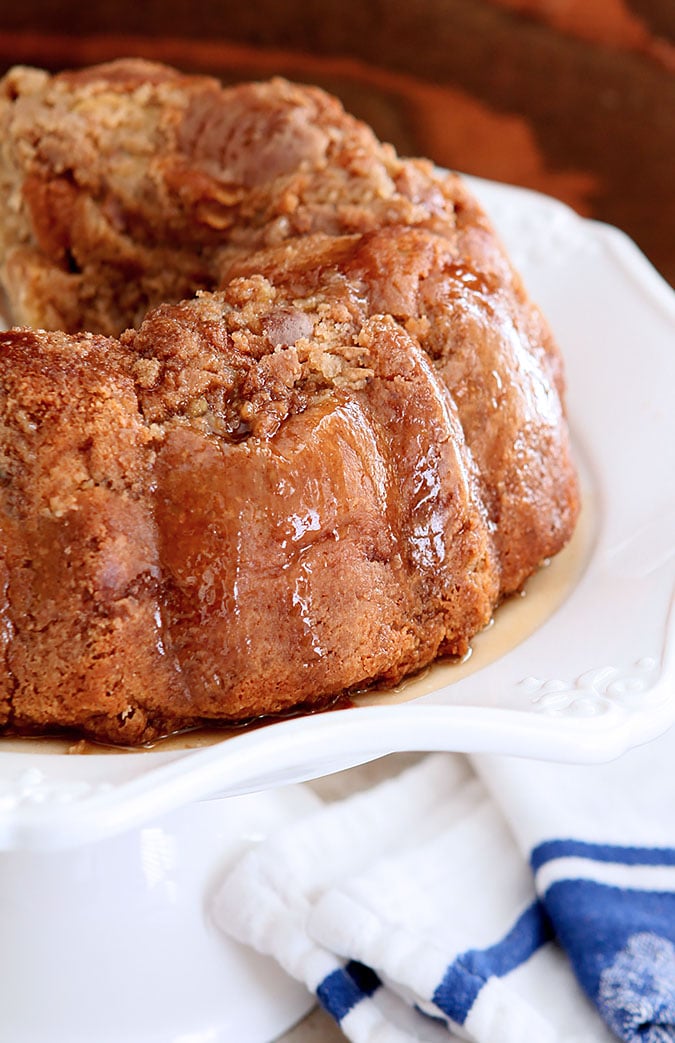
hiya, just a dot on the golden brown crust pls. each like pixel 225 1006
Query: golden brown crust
pixel 79 541
pixel 324 473
pixel 492 351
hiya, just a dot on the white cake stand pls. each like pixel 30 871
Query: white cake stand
pixel 109 859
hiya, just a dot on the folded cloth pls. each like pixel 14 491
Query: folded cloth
pixel 601 845
pixel 458 898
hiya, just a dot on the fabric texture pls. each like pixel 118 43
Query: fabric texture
pixel 485 898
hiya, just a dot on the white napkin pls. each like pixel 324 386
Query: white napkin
pixel 461 897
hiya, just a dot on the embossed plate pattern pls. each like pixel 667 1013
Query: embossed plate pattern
pixel 593 679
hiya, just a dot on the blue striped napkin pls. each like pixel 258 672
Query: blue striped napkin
pixel 600 843
pixel 484 898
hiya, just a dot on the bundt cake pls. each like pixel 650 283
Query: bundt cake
pixel 322 471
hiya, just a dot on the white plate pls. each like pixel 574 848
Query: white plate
pixel 594 677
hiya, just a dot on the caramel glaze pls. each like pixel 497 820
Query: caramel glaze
pixel 320 476
pixel 518 617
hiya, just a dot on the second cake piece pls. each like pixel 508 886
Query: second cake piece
pixel 128 184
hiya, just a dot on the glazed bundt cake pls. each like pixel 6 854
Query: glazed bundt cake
pixel 323 471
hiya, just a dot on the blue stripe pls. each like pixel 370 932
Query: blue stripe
pixel 630 856
pixel 595 925
pixel 466 976
pixel 343 988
